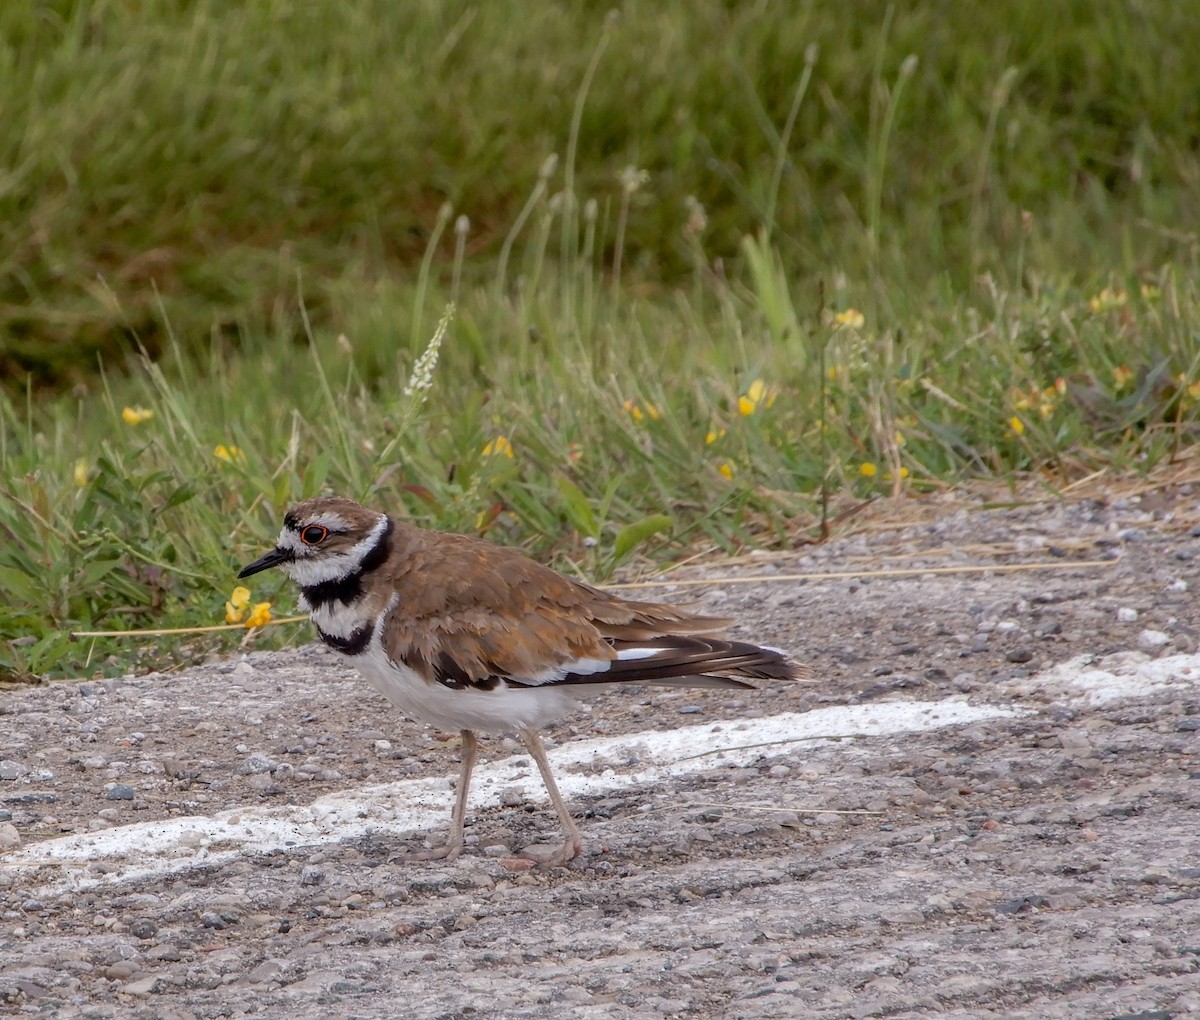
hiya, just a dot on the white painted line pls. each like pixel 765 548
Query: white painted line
pixel 642 759
pixel 1117 677
pixel 173 845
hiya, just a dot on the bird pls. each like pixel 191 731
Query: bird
pixel 472 636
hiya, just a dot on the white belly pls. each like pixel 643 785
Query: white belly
pixel 499 710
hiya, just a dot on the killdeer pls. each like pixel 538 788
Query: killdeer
pixel 472 636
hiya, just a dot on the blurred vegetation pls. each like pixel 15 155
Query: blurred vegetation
pixel 192 161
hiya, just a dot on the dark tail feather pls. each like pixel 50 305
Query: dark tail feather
pixel 679 661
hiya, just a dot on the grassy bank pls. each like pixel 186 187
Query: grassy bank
pixel 877 249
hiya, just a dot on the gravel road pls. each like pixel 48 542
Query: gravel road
pixel 986 806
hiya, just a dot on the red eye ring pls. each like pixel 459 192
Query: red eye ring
pixel 314 534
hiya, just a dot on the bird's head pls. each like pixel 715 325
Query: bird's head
pixel 324 539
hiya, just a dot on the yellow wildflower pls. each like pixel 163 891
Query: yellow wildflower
pixel 726 469
pixel 1150 292
pixel 229 454
pixel 499 447
pixel 867 469
pixel 757 395
pixel 1017 426
pixel 1107 300
pixel 235 608
pixel 136 415
pixel 1122 376
pixel 260 615
pixel 903 474
pixel 851 317
pixel 640 414
pixel 713 435
pixel 83 472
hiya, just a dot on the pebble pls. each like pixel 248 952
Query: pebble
pixel 143 928
pixel 119 791
pixel 258 763
pixel 166 952
pixel 1126 615
pixel 144 986
pixel 10 838
pixel 12 770
pixel 312 875
pixel 1151 640
pixel 122 970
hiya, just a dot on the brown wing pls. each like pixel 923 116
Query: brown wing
pixel 475 614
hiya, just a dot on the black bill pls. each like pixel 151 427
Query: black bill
pixel 271 559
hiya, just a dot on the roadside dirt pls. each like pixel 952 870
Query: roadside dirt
pixel 1034 865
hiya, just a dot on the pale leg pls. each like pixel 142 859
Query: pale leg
pixel 458 817
pixel 574 842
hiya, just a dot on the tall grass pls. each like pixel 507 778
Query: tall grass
pixel 776 253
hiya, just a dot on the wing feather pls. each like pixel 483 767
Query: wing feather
pixel 473 614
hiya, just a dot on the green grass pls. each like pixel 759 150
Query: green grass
pixel 258 213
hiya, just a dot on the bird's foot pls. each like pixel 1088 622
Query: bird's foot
pixel 559 858
pixel 447 852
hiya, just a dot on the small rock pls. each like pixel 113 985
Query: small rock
pixel 143 928
pixel 268 970
pixel 1019 655
pixel 1126 615
pixel 1151 640
pixel 312 875
pixel 144 986
pixel 211 919
pixel 516 864
pixel 9 837
pixel 119 791
pixel 122 970
pixel 258 763
pixel 165 952
pixel 264 784
pixel 12 770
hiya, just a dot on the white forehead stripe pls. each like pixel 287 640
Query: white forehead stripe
pixel 333 521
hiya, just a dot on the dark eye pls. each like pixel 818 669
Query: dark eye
pixel 314 534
